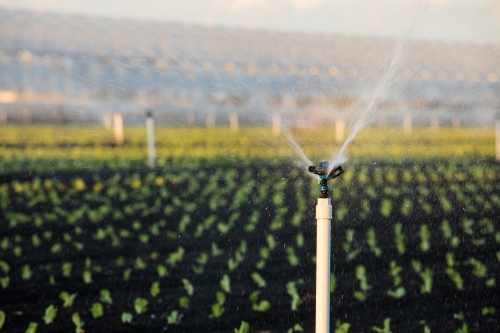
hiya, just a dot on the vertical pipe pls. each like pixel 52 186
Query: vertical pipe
pixel 276 124
pixel 233 122
pixel 434 123
pixel 497 137
pixel 407 122
pixel 118 125
pixel 323 220
pixel 339 130
pixel 151 139
pixel 210 120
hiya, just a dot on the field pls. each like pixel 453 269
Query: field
pixel 223 231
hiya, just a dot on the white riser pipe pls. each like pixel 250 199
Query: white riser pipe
pixel 324 222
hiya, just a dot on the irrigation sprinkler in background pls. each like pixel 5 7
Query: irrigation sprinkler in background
pixel 118 126
pixel 407 123
pixel 323 248
pixel 233 122
pixel 497 136
pixel 434 122
pixel 276 124
pixel 339 130
pixel 151 138
pixel 211 120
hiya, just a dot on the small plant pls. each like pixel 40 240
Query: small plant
pixel 386 328
pixel 155 289
pixel 188 287
pixel 2 318
pixel 127 318
pixel 425 236
pixel 455 277
pixel 97 310
pixel 259 306
pixel 341 327
pixel 87 276
pixel 66 269
pixel 225 283
pixel 217 310
pixel 295 328
pixel 259 280
pixel 291 290
pixel 184 302
pixel 244 328
pixel 105 296
pixel 75 317
pixel 174 318
pixel 32 327
pixel 126 274
pixel 26 272
pixel 371 239
pixel 162 271
pixel 67 298
pixel 50 314
pixel 4 281
pixel 140 305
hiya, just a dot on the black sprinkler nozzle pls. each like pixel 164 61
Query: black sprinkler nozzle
pixel 322 171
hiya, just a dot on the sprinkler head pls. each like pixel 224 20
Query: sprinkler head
pixel 322 171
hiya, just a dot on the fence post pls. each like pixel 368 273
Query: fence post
pixel 407 122
pixel 497 137
pixel 434 123
pixel 276 124
pixel 210 120
pixel 233 122
pixel 151 138
pixel 339 130
pixel 118 125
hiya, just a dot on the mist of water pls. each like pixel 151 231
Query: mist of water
pixel 303 162
pixel 378 96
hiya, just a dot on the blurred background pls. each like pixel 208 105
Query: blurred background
pixel 196 62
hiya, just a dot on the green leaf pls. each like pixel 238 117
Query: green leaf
pixel 105 296
pixel 155 289
pixel 217 310
pixel 162 271
pixel 259 280
pixel 4 266
pixel 173 318
pixel 50 314
pixel 244 328
pixel 67 298
pixel 184 302
pixel 140 305
pixel 342 327
pixel 262 306
pixel 398 293
pixel 188 287
pixel 97 310
pixel 2 318
pixel 221 297
pixel 127 317
pixel 87 276
pixel 225 283
pixel 4 282
pixel 75 317
pixel 32 327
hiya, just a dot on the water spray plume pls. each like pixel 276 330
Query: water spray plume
pixel 302 161
pixel 378 96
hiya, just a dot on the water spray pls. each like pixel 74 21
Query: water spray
pixel 324 224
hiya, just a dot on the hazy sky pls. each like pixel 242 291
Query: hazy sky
pixel 455 20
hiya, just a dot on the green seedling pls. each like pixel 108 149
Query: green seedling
pixel 126 274
pixel 371 239
pixel 32 327
pixel 426 276
pixel 217 310
pixel 4 281
pixel 341 327
pixel 97 310
pixel 184 302
pixel 425 236
pixel 221 297
pixel 26 272
pixel 399 238
pixel 386 328
pixel 155 289
pixel 50 314
pixel 87 276
pixel 216 251
pixel 105 296
pixel 295 328
pixel 139 264
pixel 173 318
pixel 225 283
pixel 75 317
pixel 127 318
pixel 455 277
pixel 4 266
pixel 67 298
pixel 291 290
pixel 261 306
pixel 2 318
pixel 188 287
pixel 140 305
pixel 333 283
pixel 259 280
pixel 244 328
pixel 162 271
pixel 479 269
pixel 66 269
pixel 293 260
pixel 175 257
pixel 398 293
pixel 486 311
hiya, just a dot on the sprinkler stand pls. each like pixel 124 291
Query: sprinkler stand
pixel 324 223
